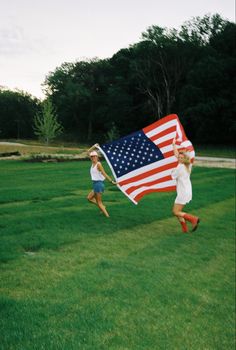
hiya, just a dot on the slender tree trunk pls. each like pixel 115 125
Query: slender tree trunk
pixel 18 129
pixel 90 129
pixel 90 124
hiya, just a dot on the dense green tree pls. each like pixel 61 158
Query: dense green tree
pixel 17 110
pixel 122 92
pixel 200 31
pixel 62 90
pixel 159 70
pixel 208 102
pixel 78 91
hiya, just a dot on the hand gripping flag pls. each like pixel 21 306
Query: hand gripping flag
pixel 142 161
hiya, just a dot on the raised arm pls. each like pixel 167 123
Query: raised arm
pixel 96 145
pixel 176 152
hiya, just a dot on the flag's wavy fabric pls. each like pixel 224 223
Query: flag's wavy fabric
pixel 142 161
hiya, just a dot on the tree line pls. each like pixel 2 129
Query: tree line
pixel 190 72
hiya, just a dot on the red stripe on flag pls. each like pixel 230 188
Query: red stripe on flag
pixel 155 182
pixel 160 122
pixel 165 189
pixel 186 149
pixel 189 148
pixel 168 154
pixel 164 143
pixel 184 137
pixel 163 133
pixel 148 173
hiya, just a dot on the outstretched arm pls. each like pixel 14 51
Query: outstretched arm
pixel 176 152
pixel 101 169
pixel 96 145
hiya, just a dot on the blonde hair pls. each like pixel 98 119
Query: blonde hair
pixel 186 160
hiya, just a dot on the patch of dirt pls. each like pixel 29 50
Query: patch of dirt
pixel 11 144
pixel 211 162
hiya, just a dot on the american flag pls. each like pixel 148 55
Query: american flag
pixel 142 161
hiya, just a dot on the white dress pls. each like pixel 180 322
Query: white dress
pixel 183 184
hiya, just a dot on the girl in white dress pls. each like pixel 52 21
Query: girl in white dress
pixel 184 189
pixel 98 175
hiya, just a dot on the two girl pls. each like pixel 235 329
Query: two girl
pixel 181 174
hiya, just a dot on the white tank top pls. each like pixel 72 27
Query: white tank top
pixel 96 175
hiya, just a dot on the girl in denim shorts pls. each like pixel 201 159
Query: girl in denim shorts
pixel 98 176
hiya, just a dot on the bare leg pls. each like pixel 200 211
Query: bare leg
pixel 177 211
pixel 91 198
pixel 98 197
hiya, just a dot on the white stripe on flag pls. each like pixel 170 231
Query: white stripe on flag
pixel 186 143
pixel 179 132
pixel 148 179
pixel 167 137
pixel 161 128
pixel 166 149
pixel 154 187
pixel 146 168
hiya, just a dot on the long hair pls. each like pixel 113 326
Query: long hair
pixel 186 160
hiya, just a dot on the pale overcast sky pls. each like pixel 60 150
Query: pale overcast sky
pixel 37 36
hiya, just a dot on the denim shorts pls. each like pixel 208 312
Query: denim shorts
pixel 98 186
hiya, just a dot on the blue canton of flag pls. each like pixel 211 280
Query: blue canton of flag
pixel 131 152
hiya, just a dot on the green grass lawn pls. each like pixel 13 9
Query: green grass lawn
pixel 73 279
pixel 220 151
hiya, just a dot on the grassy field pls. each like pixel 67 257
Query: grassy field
pixel 73 279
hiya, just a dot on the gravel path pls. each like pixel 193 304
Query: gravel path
pixel 214 162
pixel 11 144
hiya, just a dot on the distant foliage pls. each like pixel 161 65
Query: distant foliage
pixel 113 133
pixel 17 110
pixel 46 126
